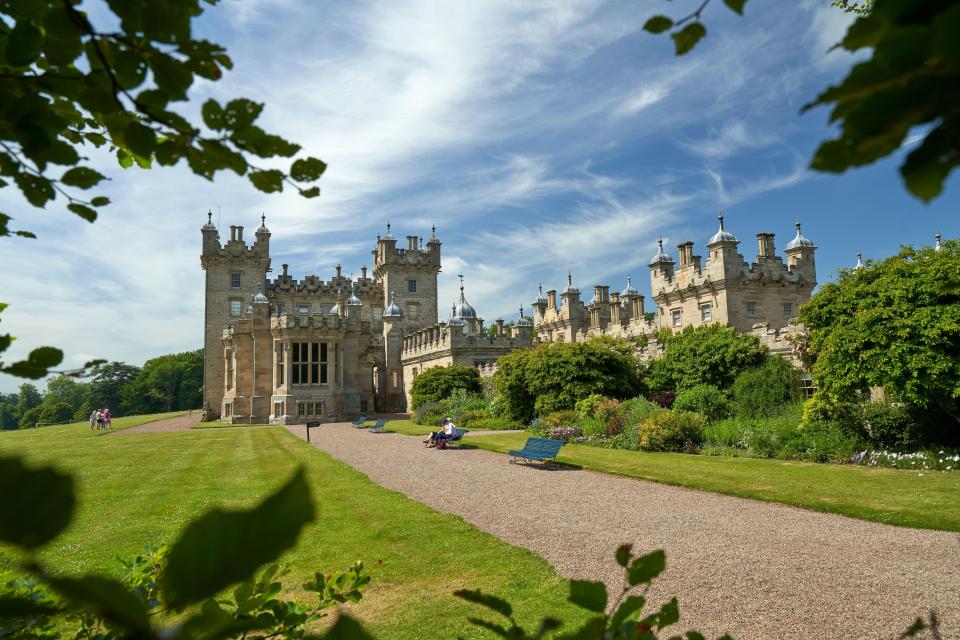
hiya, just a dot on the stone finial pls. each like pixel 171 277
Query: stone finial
pixel 937 247
pixel 859 264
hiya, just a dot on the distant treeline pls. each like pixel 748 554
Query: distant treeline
pixel 167 383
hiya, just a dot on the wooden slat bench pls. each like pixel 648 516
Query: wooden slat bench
pixel 540 449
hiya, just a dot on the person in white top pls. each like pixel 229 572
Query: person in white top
pixel 446 433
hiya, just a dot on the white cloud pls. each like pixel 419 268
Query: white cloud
pixel 730 139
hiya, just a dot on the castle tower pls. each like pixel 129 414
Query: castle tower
pixel 235 273
pixel 411 275
pixel 800 256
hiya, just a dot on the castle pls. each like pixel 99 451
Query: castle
pixel 289 351
pixel 760 297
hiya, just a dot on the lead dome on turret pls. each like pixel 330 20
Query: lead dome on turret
pixel 629 290
pixel 661 256
pixel 570 287
pixel 799 240
pixel 393 310
pixel 722 235
pixel 258 297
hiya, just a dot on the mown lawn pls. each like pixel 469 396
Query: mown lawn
pixel 144 488
pixel 925 499
pixel 408 428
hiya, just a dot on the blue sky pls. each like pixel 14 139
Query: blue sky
pixel 538 137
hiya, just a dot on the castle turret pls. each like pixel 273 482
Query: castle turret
pixel 411 274
pixel 800 256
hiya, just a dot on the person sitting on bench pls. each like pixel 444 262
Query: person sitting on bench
pixel 448 431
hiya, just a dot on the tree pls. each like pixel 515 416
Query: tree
pixel 65 389
pixel 554 376
pixel 70 85
pixel 28 398
pixel 106 388
pixel 8 416
pixel 437 383
pixel 54 412
pixel 894 324
pixel 712 354
pixel 910 80
pixel 766 390
pixel 167 383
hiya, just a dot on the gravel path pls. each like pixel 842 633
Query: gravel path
pixel 749 568
pixel 167 425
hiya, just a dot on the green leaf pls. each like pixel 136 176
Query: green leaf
pixel 307 169
pixel 623 554
pixel 591 595
pixel 224 547
pixel 83 177
pixel 490 602
pixel 657 24
pixel 23 45
pixel 735 5
pixel 37 363
pixel 58 23
pixel 37 503
pixel 694 635
pixel 107 598
pixel 139 139
pixel 687 38
pixel 267 181
pixel 669 614
pixel 346 628
pixel 213 115
pixel 83 211
pixel 591 630
pixel 13 607
pixel 37 190
pixel 630 606
pixel 100 201
pixel 646 568
pixel 312 192
pixel 241 113
pixel 125 158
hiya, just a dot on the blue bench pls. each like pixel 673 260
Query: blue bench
pixel 377 427
pixel 358 423
pixel 541 449
pixel 457 437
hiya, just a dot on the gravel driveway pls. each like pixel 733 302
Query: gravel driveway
pixel 749 568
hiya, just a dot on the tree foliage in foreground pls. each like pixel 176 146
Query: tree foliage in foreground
pixel 438 383
pixel 911 80
pixel 554 376
pixel 894 324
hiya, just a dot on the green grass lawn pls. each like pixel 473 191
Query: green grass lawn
pixel 408 428
pixel 83 428
pixel 926 499
pixel 144 488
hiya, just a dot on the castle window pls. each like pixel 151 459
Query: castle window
pixel 227 409
pixel 304 308
pixel 280 367
pixel 677 317
pixel 280 308
pixel 706 312
pixel 277 409
pixel 395 379
pixel 413 310
pixel 363 406
pixel 308 363
pixel 229 369
pixel 377 315
pixel 234 280
pixel 235 306
pixel 411 286
pixel 787 310
pixel 752 310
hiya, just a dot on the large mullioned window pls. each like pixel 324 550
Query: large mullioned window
pixel 308 363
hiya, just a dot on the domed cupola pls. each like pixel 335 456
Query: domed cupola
pixel 463 309
pixel 263 224
pixel 629 291
pixel 570 287
pixel 353 300
pixel 722 235
pixel 454 321
pixel 542 299
pixel 389 235
pixel 258 297
pixel 209 226
pixel 523 321
pixel 393 310
pixel 859 265
pixel 799 240
pixel 661 256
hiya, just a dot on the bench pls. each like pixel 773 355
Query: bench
pixel 457 437
pixel 541 449
pixel 377 427
pixel 358 423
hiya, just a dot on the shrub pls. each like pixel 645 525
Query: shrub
pixel 468 418
pixel 559 419
pixel 671 431
pixel 549 403
pixel 889 425
pixel 429 414
pixel 665 399
pixel 495 424
pixel 587 407
pixel 591 427
pixel 635 410
pixel 608 412
pixel 763 391
pixel 705 399
pixel 712 354
pixel 438 383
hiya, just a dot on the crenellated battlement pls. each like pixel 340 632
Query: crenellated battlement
pixel 442 338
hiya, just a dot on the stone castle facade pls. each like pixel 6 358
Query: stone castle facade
pixel 287 351
pixel 761 296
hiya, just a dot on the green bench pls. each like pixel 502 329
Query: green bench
pixel 377 427
pixel 537 449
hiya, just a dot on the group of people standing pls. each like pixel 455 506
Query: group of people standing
pixel 100 419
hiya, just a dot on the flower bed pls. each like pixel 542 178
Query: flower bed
pixel 942 460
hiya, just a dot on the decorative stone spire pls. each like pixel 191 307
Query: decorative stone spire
pixel 629 291
pixel 570 287
pixel 799 240
pixel 463 309
pixel 263 224
pixel 937 247
pixel 722 235
pixel 353 300
pixel 209 226
pixel 661 255
pixel 859 264
pixel 389 235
